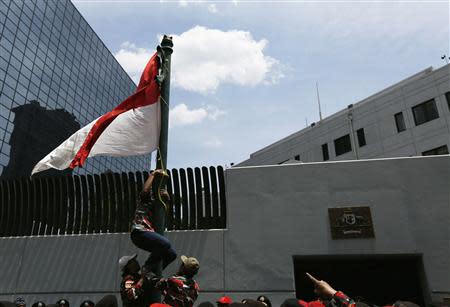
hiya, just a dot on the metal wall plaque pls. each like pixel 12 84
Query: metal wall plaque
pixel 351 223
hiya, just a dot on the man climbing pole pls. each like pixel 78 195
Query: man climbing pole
pixel 143 233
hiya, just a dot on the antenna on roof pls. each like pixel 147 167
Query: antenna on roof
pixel 444 57
pixel 306 121
pixel 318 100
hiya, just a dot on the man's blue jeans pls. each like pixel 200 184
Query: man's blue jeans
pixel 156 244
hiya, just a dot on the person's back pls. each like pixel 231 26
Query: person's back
pixel 181 290
pixel 134 287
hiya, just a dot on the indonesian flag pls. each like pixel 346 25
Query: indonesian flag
pixel 131 128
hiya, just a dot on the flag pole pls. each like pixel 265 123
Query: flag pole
pixel 165 52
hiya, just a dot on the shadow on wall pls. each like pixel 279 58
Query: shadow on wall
pixel 37 131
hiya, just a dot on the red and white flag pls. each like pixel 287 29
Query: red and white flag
pixel 131 128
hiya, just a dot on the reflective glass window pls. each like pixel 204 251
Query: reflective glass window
pixel 425 112
pixel 6 44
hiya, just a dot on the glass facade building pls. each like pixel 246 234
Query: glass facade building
pixel 56 76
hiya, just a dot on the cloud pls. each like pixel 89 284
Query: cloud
pixel 133 59
pixel 213 142
pixel 212 8
pixel 206 58
pixel 214 112
pixel 377 21
pixel 181 115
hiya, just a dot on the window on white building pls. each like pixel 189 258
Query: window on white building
pixel 325 153
pixel 342 145
pixel 425 112
pixel 361 137
pixel 400 122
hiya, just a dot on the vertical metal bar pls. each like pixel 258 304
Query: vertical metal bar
pixel 118 191
pixel 55 206
pixel 352 134
pixel 192 200
pixel 71 205
pixel 13 208
pixel 207 193
pixel 222 194
pixel 78 204
pixel 199 198
pixel 166 46
pixel 176 199
pixel 214 198
pixel 44 207
pixel 139 182
pixel 64 213
pixel 132 198
pixel 3 207
pixel 105 203
pixel 49 206
pixel 98 204
pixel 125 203
pixel 28 207
pixel 36 206
pixel 92 204
pixel 169 213
pixel 113 225
pixel 20 220
pixel 184 200
pixel 85 205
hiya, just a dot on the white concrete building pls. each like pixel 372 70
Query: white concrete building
pixel 410 118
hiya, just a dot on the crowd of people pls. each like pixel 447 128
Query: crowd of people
pixel 175 294
pixel 140 283
pixel 106 301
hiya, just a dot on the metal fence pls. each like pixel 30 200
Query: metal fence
pixel 105 203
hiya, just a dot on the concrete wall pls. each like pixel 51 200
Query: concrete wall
pixel 285 210
pixel 375 115
pixel 85 266
pixel 274 213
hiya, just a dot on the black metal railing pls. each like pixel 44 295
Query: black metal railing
pixel 105 203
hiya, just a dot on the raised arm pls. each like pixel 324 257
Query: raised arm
pixel 148 183
pixel 324 290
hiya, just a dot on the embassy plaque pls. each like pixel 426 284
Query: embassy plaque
pixel 351 223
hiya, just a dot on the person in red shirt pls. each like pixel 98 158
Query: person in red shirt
pixel 181 290
pixel 143 233
pixel 134 288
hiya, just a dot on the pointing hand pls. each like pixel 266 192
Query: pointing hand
pixel 321 287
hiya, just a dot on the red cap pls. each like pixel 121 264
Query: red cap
pixel 224 300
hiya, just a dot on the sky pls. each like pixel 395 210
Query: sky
pixel 244 73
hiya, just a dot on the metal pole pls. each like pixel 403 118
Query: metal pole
pixel 165 50
pixel 318 100
pixel 166 46
pixel 352 135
